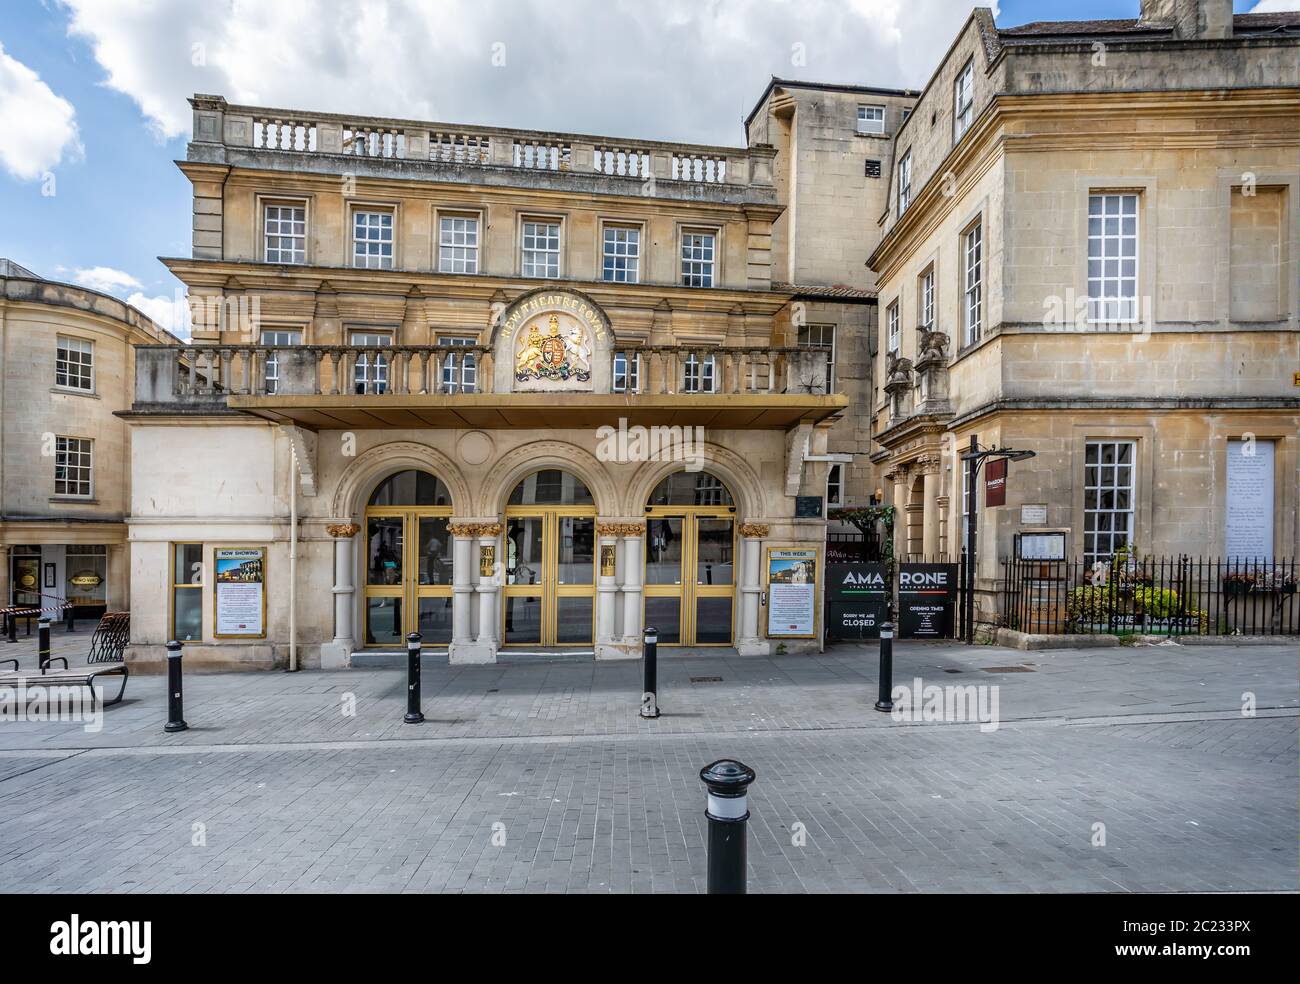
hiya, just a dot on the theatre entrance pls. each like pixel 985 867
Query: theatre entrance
pixel 690 561
pixel 408 561
pixel 550 553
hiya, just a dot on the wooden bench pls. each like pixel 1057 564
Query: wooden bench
pixel 105 658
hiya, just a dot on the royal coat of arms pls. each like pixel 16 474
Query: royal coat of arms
pixel 553 356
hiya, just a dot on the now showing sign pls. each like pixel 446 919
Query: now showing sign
pixel 927 600
pixel 856 598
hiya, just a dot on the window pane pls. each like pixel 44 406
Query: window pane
pixel 187 614
pixel 665 614
pixel 663 563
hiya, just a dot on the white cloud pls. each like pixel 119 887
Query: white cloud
pixel 105 279
pixel 40 128
pixel 171 313
pixel 674 69
pixel 1275 7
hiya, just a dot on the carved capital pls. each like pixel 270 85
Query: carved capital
pixel 620 529
pixel 341 531
pixel 755 531
pixel 474 529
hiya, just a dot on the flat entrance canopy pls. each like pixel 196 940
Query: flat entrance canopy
pixel 486 411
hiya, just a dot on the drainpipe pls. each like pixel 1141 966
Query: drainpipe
pixel 293 561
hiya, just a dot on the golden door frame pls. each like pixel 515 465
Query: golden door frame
pixel 409 589
pixel 548 588
pixel 687 589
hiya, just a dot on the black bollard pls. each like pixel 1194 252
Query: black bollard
pixel 11 627
pixel 728 813
pixel 175 693
pixel 43 643
pixel 70 619
pixel 413 713
pixel 885 701
pixel 650 670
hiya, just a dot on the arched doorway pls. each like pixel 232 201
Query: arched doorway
pixel 690 583
pixel 550 562
pixel 408 560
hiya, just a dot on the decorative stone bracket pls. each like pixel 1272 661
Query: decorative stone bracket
pixel 304 453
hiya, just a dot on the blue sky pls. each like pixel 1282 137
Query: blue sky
pixel 97 88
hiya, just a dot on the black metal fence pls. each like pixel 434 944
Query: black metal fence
pixel 849 547
pixel 1174 596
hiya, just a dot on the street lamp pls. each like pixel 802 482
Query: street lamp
pixel 977 456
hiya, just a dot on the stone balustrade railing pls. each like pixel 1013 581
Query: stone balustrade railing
pixel 217 122
pixel 203 375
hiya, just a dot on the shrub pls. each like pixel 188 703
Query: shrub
pixel 1088 604
pixel 1156 602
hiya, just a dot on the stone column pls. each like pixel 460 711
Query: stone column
pixel 899 477
pixel 117 568
pixel 483 648
pixel 338 654
pixel 633 571
pixel 462 582
pixel 749 641
pixel 608 646
pixel 930 542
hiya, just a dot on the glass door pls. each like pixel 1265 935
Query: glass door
pixel 550 588
pixel 408 577
pixel 690 576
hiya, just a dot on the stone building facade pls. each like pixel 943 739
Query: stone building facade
pixel 66 367
pixel 1090 251
pixel 507 389
pixel 834 151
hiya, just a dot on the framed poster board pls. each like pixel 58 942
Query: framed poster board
pixel 857 597
pixel 792 594
pixel 927 600
pixel 239 592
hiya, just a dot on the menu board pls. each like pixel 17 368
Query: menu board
pixel 1249 503
pixel 792 593
pixel 239 595
pixel 927 600
pixel 857 598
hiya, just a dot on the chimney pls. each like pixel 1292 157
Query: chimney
pixel 1190 18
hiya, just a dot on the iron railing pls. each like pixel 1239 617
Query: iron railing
pixel 1176 595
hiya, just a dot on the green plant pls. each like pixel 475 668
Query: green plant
pixel 1088 604
pixel 1156 602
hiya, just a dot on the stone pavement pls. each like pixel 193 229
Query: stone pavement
pixel 541 776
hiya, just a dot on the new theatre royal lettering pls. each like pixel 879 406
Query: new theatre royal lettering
pixel 552 341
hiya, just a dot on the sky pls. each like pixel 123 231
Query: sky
pixel 93 92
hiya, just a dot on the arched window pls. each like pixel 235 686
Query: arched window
pixel 691 489
pixel 551 487
pixel 411 488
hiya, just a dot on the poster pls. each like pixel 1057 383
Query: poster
pixel 856 600
pixel 792 593
pixel 1249 503
pixel 927 600
pixel 239 598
